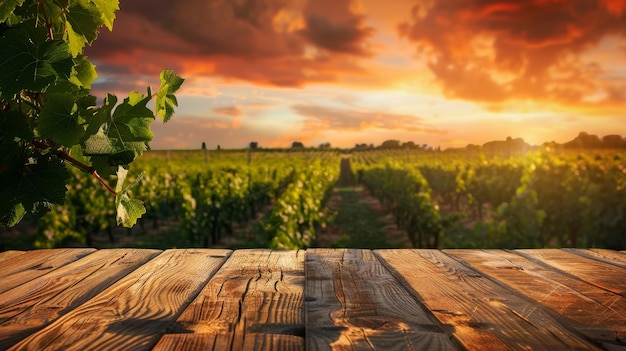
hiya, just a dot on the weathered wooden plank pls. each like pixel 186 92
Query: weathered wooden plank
pixel 135 311
pixel 33 264
pixel 591 271
pixel 254 302
pixel 603 255
pixel 481 314
pixel 593 312
pixel 353 302
pixel 35 304
pixel 5 255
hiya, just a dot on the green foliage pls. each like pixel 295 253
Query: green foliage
pixel 298 211
pixel 544 198
pixel 405 193
pixel 48 117
pixel 541 199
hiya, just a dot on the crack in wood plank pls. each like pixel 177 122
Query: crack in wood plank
pixel 253 302
pixel 353 302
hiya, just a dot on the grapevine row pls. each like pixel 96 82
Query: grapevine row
pixel 540 199
pixel 204 199
pixel 299 209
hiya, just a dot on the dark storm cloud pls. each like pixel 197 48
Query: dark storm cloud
pixel 332 25
pixel 262 41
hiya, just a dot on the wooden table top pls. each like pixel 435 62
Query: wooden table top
pixel 318 299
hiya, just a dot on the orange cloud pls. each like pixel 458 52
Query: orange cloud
pixel 233 121
pixel 615 7
pixel 273 42
pixel 495 51
pixel 321 118
pixel 331 25
pixel 233 111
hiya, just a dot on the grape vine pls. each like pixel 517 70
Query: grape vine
pixel 48 118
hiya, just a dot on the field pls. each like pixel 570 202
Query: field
pixel 378 198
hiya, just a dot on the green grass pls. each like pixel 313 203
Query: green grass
pixel 360 224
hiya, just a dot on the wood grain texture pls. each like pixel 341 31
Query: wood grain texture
pixel 33 264
pixel 135 311
pixel 593 312
pixel 35 304
pixel 5 255
pixel 600 274
pixel 254 302
pixel 326 299
pixel 353 302
pixel 603 255
pixel 481 314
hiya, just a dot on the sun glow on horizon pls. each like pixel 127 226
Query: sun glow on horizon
pixel 362 71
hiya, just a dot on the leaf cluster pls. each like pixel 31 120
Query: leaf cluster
pixel 48 117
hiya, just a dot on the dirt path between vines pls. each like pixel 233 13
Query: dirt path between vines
pixel 359 220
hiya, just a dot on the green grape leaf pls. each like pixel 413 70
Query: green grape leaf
pixel 128 210
pixel 35 188
pixel 122 135
pixel 29 61
pixel 7 7
pixel 101 115
pixel 76 152
pixel 85 102
pixel 83 21
pixel 107 10
pixel 14 130
pixel 98 144
pixel 44 184
pixel 134 106
pixel 84 72
pixel 103 166
pixel 165 99
pixel 59 119
pixel 76 42
pixel 14 124
pixel 11 214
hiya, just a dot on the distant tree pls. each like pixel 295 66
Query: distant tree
pixel 506 148
pixel 254 145
pixel 613 141
pixel 584 140
pixel 297 145
pixel 203 145
pixel 219 147
pixel 390 144
pixel 408 145
pixel 324 146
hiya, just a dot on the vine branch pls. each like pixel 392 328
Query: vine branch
pixel 42 3
pixel 44 144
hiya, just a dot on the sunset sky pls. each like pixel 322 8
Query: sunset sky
pixel 439 72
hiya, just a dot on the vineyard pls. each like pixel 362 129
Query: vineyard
pixel 543 198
